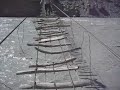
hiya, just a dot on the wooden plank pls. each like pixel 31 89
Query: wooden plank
pixel 44 45
pixel 51 31
pixel 57 63
pixel 61 34
pixel 51 39
pixel 51 35
pixel 84 72
pixel 55 26
pixel 46 28
pixel 49 26
pixel 49 23
pixel 85 78
pixel 47 70
pixel 59 52
pixel 57 85
pixel 93 87
pixel 87 75
pixel 47 20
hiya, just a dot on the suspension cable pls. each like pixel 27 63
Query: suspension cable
pixel 6 86
pixel 108 48
pixel 13 30
pixel 19 43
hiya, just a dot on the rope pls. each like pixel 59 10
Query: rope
pixel 19 43
pixel 45 67
pixel 90 60
pixel 13 30
pixel 68 68
pixel 108 48
pixel 23 34
pixel 36 70
pixel 53 64
pixel 90 55
pixel 54 75
pixel 6 86
pixel 66 63
pixel 76 72
pixel 72 30
pixel 72 47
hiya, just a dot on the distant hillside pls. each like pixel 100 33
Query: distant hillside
pixel 91 8
pixel 78 8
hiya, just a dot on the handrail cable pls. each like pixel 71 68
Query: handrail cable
pixel 36 71
pixel 6 86
pixel 13 30
pixel 19 43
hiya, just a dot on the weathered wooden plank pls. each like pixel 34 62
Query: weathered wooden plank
pixel 52 34
pixel 51 39
pixel 57 85
pixel 44 45
pixel 47 70
pixel 51 64
pixel 47 20
pixel 93 87
pixel 41 36
pixel 49 26
pixel 84 72
pixel 49 23
pixel 59 52
pixel 61 34
pixel 87 75
pixel 51 31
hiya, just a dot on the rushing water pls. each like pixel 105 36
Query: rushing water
pixel 11 54
pixel 15 55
